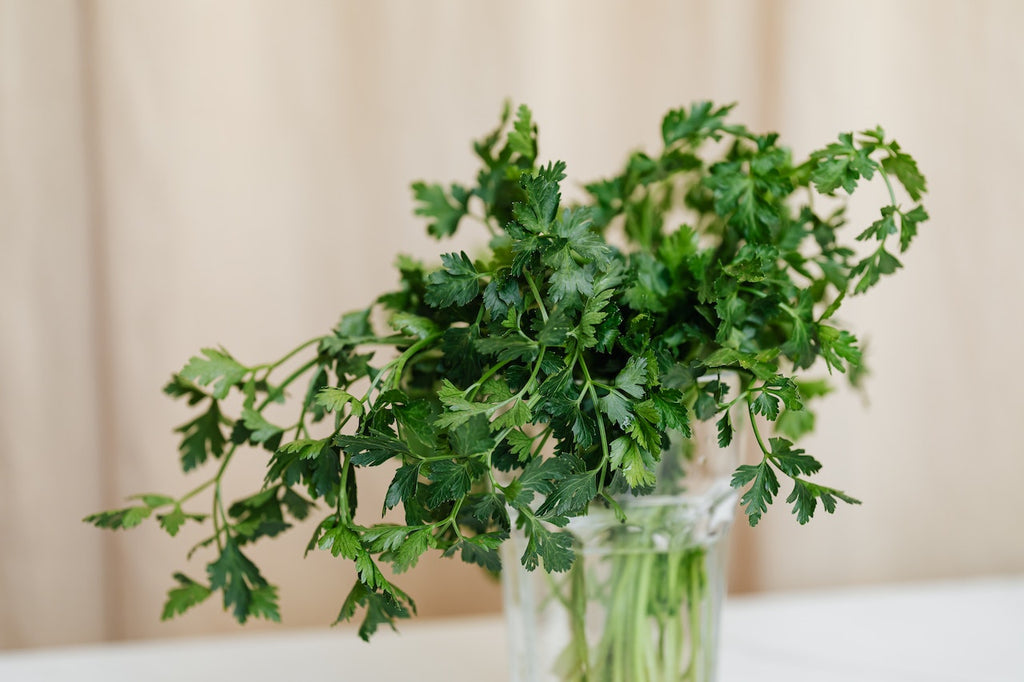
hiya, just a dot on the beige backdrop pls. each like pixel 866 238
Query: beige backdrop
pixel 182 174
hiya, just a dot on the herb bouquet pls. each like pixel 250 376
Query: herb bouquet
pixel 536 395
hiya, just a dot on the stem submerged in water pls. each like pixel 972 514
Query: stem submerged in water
pixel 652 606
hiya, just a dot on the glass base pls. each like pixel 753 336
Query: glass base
pixel 640 604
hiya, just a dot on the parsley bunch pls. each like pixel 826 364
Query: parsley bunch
pixel 544 375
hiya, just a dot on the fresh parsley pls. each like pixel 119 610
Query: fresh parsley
pixel 550 339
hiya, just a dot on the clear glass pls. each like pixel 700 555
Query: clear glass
pixel 642 602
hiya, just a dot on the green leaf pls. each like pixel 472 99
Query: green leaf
pixel 258 516
pixel 805 495
pixel 538 475
pixel 724 426
pixel 458 410
pixel 517 415
pixel 569 282
pixel 354 326
pixel 673 411
pixel 508 348
pixel 904 167
pixel 238 578
pixel 881 228
pixel 403 486
pixel 792 462
pixel 180 599
pixel 795 423
pixel 298 506
pixel 371 450
pixel 472 438
pixel 570 495
pixel 644 429
pixel 633 377
pixel 556 330
pixel 761 366
pixel 616 407
pixel 407 554
pixel 764 486
pixel 702 121
pixel 413 325
pixel 128 517
pixel 153 500
pixel 538 212
pixel 261 429
pixel 384 538
pixel 263 603
pixel 478 550
pixel 334 399
pixel 838 348
pixel 288 465
pixel 217 368
pixel 502 293
pixel 521 444
pixel 803 501
pixel 635 463
pixel 445 209
pixel 172 521
pixel 908 225
pixel 381 608
pixel 767 404
pixel 523 138
pixel 841 164
pixel 179 387
pixel 449 481
pixel 553 549
pixel 341 540
pixel 457 283
pixel 202 438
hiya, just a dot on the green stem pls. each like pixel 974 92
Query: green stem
pixel 288 381
pixel 600 424
pixel 270 367
pixel 344 510
pixel 407 354
pixel 757 434
pixel 536 295
pixel 578 613
pixel 195 491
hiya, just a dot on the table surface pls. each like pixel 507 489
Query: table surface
pixel 962 631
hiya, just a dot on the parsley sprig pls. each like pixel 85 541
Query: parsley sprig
pixel 544 375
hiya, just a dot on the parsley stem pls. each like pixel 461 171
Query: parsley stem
pixel 288 356
pixel 600 423
pixel 195 491
pixel 344 510
pixel 491 371
pixel 288 380
pixel 407 354
pixel 533 374
pixel 543 437
pixel 757 433
pixel 536 295
pixel 888 183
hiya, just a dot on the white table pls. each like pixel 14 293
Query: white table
pixel 964 631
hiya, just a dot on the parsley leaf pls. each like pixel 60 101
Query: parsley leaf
pixel 245 590
pixel 180 599
pixel 456 284
pixel 446 209
pixel 217 368
pixel 763 489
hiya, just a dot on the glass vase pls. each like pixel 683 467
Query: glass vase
pixel 642 601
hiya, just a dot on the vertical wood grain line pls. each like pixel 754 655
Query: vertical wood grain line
pixel 771 22
pixel 100 303
pixel 745 549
